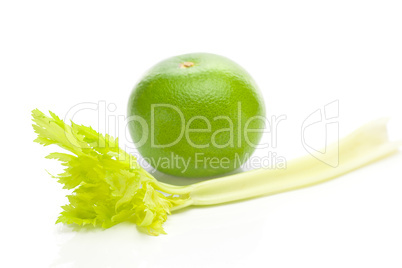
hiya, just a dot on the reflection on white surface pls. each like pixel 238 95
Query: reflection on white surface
pixel 185 245
pixel 102 248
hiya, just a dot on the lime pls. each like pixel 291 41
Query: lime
pixel 196 115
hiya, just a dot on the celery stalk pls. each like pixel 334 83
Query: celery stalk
pixel 108 188
pixel 367 144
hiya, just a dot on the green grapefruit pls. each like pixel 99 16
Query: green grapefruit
pixel 196 115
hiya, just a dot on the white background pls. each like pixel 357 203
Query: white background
pixel 303 55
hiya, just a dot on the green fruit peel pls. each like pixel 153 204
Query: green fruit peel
pixel 109 187
pixel 196 104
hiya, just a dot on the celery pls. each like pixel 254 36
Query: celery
pixel 109 187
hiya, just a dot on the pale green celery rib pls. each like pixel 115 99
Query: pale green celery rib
pixel 365 145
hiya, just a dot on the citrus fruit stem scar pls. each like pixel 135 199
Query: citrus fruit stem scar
pixel 186 64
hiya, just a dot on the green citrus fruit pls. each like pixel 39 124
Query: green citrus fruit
pixel 196 115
